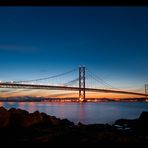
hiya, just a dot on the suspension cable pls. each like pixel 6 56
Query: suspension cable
pixel 71 82
pixel 65 73
pixel 100 80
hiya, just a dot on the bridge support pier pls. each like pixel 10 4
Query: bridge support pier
pixel 82 84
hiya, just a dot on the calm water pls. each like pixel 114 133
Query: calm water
pixel 87 113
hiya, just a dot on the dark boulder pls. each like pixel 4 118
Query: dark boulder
pixel 80 124
pixel 31 120
pixel 16 117
pixel 17 112
pixel 53 121
pixel 23 119
pixel 143 123
pixel 4 117
pixel 66 122
pixel 125 124
pixel 143 119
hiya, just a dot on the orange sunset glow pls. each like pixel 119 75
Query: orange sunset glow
pixel 62 94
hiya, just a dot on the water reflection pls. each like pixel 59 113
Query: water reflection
pixel 86 113
pixel 81 112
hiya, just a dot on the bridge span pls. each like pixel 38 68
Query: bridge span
pixel 50 87
pixel 81 88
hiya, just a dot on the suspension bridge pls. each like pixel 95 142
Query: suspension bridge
pixel 80 84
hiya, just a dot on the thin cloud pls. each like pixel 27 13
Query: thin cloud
pixel 18 48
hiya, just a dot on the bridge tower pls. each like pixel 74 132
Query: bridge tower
pixel 82 83
pixel 146 91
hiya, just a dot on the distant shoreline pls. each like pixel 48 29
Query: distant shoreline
pixel 42 99
pixel 66 101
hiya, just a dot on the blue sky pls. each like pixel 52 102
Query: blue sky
pixel 43 41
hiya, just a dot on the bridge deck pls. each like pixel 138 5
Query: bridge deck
pixel 50 87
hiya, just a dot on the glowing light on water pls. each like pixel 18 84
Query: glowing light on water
pixel 81 100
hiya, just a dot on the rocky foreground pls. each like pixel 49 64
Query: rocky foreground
pixel 20 127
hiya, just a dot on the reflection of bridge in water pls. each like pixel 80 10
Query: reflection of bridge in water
pixel 82 89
